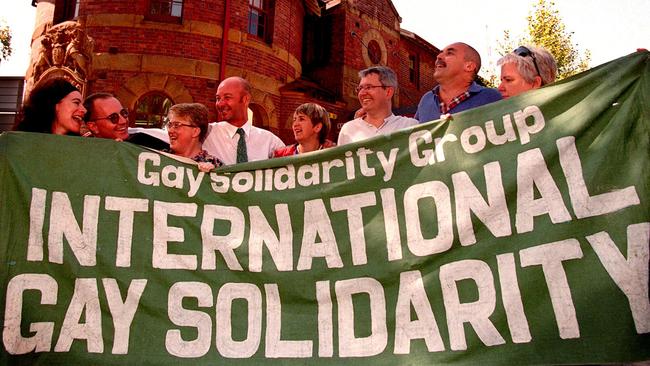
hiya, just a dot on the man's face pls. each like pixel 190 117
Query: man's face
pixel 450 63
pixel 103 113
pixel 372 94
pixel 232 102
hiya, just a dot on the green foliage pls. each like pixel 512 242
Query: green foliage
pixel 488 79
pixel 506 44
pixel 490 75
pixel 546 29
pixel 5 42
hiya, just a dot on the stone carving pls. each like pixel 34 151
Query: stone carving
pixel 65 51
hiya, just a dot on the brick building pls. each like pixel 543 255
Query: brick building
pixel 154 53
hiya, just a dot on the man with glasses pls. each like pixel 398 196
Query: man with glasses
pixel 455 71
pixel 375 92
pixel 235 139
pixel 107 118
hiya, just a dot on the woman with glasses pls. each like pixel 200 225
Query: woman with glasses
pixel 187 126
pixel 524 69
pixel 54 106
pixel 311 124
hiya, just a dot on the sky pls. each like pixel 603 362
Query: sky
pixel 609 29
pixel 20 18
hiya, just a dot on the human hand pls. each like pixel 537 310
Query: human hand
pixel 206 167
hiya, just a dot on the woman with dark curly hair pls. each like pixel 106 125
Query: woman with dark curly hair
pixel 54 106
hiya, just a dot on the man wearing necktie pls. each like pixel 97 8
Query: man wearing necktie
pixel 235 139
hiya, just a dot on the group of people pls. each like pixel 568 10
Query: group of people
pixel 56 106
pixel 456 70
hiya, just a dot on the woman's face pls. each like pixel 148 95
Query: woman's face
pixel 69 114
pixel 183 135
pixel 303 129
pixel 512 83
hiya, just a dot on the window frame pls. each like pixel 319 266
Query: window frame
pixel 166 18
pixel 414 69
pixel 266 13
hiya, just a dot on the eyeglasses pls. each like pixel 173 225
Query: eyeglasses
pixel 172 125
pixel 115 117
pixel 525 52
pixel 368 87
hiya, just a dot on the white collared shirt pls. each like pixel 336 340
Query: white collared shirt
pixel 222 140
pixel 358 129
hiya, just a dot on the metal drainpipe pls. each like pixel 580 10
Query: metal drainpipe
pixel 224 42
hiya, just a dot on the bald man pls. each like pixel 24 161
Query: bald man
pixel 235 139
pixel 456 68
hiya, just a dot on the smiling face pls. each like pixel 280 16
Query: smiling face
pixel 376 97
pixel 102 126
pixel 512 83
pixel 303 129
pixel 69 114
pixel 232 102
pixel 184 139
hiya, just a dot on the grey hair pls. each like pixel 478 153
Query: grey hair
pixel 526 67
pixel 387 76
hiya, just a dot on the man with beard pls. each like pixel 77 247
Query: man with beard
pixel 456 68
pixel 375 92
pixel 235 139
pixel 107 118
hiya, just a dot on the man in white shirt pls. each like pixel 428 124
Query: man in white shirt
pixel 375 93
pixel 235 139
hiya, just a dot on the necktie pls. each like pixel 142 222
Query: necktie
pixel 242 154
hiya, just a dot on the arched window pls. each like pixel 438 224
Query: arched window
pixel 258 116
pixel 151 109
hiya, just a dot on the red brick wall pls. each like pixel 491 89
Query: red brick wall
pixel 411 93
pixel 255 56
pixel 114 6
pixel 380 10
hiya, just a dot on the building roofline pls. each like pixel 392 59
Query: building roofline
pixel 399 17
pixel 418 40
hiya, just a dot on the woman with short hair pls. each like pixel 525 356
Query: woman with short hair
pixel 311 125
pixel 524 69
pixel 187 126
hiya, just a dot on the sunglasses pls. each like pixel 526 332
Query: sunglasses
pixel 115 117
pixel 525 52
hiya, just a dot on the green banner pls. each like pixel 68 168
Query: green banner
pixel 515 233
